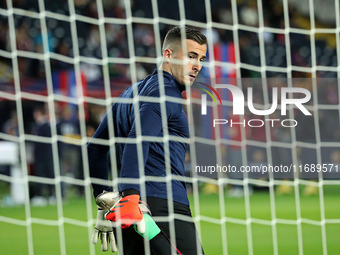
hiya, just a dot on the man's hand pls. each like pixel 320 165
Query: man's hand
pixel 127 212
pixel 104 230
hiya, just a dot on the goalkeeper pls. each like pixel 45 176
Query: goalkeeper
pixel 179 67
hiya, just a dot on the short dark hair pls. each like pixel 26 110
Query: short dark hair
pixel 174 35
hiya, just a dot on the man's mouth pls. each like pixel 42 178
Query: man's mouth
pixel 192 76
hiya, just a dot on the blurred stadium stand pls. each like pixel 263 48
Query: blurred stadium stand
pixel 32 71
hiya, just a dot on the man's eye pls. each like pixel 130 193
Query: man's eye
pixel 191 57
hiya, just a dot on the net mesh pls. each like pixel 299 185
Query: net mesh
pixel 72 59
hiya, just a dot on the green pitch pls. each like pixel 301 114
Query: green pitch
pixel 259 234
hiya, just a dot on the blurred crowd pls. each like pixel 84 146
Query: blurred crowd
pixel 48 159
pixel 112 40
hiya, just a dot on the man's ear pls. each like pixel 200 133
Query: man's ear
pixel 167 54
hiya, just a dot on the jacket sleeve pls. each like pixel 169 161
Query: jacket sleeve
pixel 98 157
pixel 151 126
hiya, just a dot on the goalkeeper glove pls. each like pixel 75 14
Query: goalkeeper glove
pixel 104 228
pixel 128 212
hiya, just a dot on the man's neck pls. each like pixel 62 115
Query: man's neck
pixel 165 67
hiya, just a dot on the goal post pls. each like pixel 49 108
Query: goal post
pixel 264 118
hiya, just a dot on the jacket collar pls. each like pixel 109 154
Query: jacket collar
pixel 180 87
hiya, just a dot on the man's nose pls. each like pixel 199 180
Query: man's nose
pixel 197 66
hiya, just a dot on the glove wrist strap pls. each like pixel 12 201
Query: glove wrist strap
pixel 129 192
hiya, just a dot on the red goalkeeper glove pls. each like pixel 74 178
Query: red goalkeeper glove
pixel 127 212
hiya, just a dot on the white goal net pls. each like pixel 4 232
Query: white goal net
pixel 262 168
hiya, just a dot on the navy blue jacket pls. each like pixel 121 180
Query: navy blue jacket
pixel 153 152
